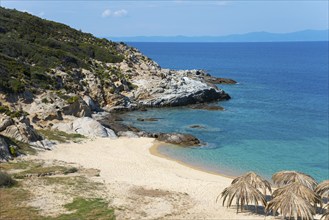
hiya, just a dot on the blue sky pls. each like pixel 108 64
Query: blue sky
pixel 172 18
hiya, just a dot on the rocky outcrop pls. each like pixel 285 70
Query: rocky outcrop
pixel 77 108
pixel 85 126
pixel 90 102
pixel 113 122
pixel 177 91
pixel 148 119
pixel 5 154
pixel 5 122
pixel 22 132
pixel 185 140
pixel 215 80
pixel 207 107
pixel 197 126
pixel 19 129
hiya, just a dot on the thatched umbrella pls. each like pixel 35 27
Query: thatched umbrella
pixel 325 216
pixel 244 194
pixel 323 189
pixel 291 205
pixel 300 190
pixel 255 180
pixel 286 177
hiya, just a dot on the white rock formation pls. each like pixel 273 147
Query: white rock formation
pixel 85 126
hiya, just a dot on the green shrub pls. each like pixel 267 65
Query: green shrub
pixel 6 180
pixel 71 170
pixel 45 100
pixel 12 150
pixel 12 114
pixel 72 99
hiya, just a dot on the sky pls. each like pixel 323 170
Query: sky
pixel 172 18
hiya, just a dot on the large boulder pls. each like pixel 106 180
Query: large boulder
pixel 78 108
pixel 5 122
pixel 90 102
pixel 4 150
pixel 85 126
pixel 185 140
pixel 22 132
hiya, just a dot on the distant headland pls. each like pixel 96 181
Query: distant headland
pixel 305 35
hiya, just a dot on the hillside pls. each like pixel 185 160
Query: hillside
pixel 38 55
pixel 56 78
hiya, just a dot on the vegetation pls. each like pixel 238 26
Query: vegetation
pixel 30 47
pixel 15 200
pixel 17 147
pixel 15 165
pixel 88 209
pixel 71 170
pixel 6 180
pixel 60 136
pixel 40 170
pixel 11 204
pixel 72 99
pixel 12 114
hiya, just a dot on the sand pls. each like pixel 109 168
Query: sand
pixel 141 185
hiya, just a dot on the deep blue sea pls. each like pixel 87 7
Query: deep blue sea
pixel 276 120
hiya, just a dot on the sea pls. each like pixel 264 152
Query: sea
pixel 277 118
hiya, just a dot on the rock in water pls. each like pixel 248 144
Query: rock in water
pixel 178 90
pixel 186 140
pixel 207 107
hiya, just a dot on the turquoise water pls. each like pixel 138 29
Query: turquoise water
pixel 276 120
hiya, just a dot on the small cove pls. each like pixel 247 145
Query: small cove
pixel 276 120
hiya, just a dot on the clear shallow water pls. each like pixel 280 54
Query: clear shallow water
pixel 276 120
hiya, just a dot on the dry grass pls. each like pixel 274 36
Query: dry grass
pixel 61 136
pixel 15 201
pixel 11 204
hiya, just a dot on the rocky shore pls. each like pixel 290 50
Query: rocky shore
pixel 80 91
pixel 82 114
pixel 92 112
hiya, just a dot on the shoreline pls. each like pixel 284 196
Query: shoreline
pixel 148 185
pixel 154 150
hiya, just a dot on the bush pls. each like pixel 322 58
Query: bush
pixel 71 170
pixel 72 99
pixel 45 100
pixel 12 150
pixel 6 180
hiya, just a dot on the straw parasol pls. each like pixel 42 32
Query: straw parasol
pixel 323 189
pixel 291 205
pixel 325 216
pixel 286 177
pixel 300 190
pixel 243 193
pixel 255 180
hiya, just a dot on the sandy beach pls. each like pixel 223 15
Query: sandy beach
pixel 141 185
